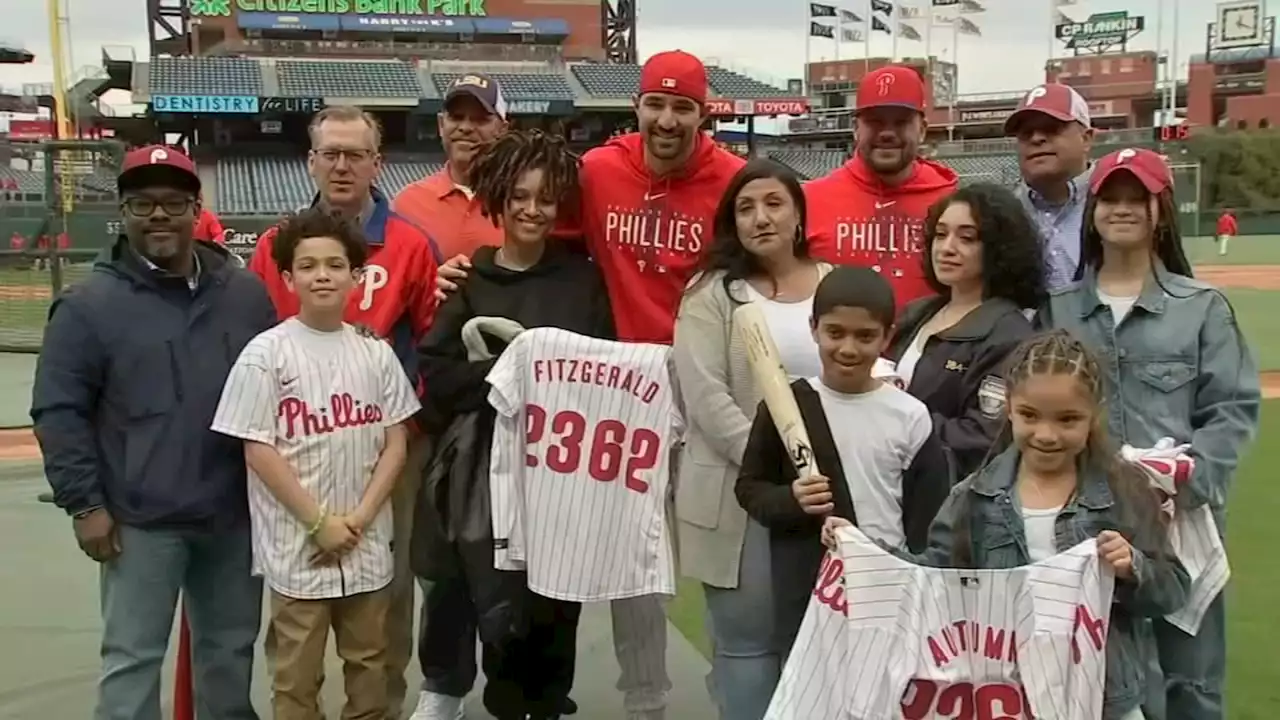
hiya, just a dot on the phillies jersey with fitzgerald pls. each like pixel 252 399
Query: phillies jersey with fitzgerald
pixel 324 401
pixel 583 503
pixel 885 639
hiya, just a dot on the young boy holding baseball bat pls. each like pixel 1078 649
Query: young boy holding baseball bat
pixel 878 462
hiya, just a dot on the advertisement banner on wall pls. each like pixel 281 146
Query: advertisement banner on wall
pixel 273 21
pixel 191 104
pixel 758 108
pixel 225 8
pixel 31 130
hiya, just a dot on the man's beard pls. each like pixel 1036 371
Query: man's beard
pixel 888 167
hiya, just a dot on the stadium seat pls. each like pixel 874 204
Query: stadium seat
pixel 24 181
pixel 608 81
pixel 205 76
pixel 273 185
pixel 728 83
pixel 348 79
pixel 810 163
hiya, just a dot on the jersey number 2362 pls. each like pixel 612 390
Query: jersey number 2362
pixel 612 448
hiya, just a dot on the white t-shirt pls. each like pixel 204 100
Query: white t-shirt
pixel 789 325
pixel 1120 305
pixel 877 434
pixel 1039 528
pixel 324 400
pixel 910 357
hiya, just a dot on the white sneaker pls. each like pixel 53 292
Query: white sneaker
pixel 434 706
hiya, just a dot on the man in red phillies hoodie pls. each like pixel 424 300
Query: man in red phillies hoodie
pixel 647 206
pixel 870 212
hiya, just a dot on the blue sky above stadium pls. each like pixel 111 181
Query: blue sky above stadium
pixel 766 38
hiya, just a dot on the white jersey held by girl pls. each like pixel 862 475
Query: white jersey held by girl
pixel 324 401
pixel 885 639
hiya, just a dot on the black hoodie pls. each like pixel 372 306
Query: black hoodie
pixel 564 290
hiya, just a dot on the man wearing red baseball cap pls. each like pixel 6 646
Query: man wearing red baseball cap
pixel 645 216
pixel 871 211
pixel 132 367
pixel 1054 136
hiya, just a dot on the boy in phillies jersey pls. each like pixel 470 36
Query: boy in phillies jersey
pixel 879 463
pixel 395 299
pixel 871 211
pixel 645 214
pixel 321 409
pixel 1057 485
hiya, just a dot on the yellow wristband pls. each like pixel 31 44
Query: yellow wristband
pixel 315 528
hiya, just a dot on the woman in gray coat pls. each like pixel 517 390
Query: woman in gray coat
pixel 759 254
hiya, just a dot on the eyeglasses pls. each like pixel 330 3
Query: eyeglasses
pixel 145 207
pixel 353 157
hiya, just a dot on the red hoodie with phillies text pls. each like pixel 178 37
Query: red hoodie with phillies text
pixel 647 233
pixel 856 219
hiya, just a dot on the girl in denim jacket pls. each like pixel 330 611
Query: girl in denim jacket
pixel 1057 485
pixel 1175 366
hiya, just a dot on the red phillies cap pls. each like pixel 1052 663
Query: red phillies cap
pixel 157 165
pixel 1058 101
pixel 1149 167
pixel 675 72
pixel 891 86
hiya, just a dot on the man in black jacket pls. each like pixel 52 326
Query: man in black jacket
pixel 131 371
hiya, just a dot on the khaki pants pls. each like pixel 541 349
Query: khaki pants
pixel 301 636
pixel 400 615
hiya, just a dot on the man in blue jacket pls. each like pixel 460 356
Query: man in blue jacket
pixel 131 371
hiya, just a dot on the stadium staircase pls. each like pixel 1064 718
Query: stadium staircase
pixel 270 77
pixel 209 186
pixel 429 89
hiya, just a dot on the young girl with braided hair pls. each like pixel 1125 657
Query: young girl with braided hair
pixel 527 641
pixel 1178 374
pixel 1057 484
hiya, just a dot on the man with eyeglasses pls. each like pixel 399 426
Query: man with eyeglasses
pixel 130 373
pixel 395 301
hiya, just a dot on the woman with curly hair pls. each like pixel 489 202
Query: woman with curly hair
pixel 983 257
pixel 527 640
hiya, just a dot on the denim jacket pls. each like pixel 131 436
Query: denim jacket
pixel 1177 366
pixel 998 540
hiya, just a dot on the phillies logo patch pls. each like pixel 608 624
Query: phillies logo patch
pixel 884 83
pixel 1035 94
pixel 159 155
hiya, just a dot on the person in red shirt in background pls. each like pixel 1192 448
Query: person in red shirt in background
pixel 871 211
pixel 16 241
pixel 475 114
pixel 1227 229
pixel 396 301
pixel 645 214
pixel 208 227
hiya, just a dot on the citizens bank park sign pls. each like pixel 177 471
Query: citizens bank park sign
pixel 787 106
pixel 447 8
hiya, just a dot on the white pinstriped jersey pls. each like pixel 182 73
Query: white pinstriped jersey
pixel 1197 544
pixel 584 505
pixel 884 639
pixel 324 400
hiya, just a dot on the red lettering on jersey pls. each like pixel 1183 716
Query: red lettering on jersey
pixel 575 370
pixel 880 236
pixel 344 411
pixel 964 636
pixel 1095 631
pixel 928 699
pixel 830 588
pixel 612 450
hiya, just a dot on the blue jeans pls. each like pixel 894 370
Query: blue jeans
pixel 223 602
pixel 745 666
pixel 1195 668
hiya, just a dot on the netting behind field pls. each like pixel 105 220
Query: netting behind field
pixel 56 213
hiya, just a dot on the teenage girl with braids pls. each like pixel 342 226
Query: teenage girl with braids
pixel 520 181
pixel 1175 366
pixel 1057 484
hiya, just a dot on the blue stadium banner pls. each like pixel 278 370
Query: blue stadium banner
pixel 291 105
pixel 228 104
pixel 553 27
pixel 275 21
pixel 407 24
